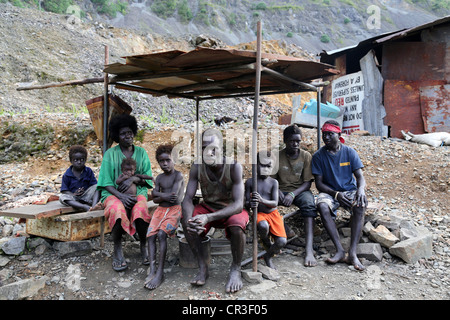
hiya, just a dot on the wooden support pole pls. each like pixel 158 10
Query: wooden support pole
pixel 62 84
pixel 254 144
pixel 105 104
pixel 318 119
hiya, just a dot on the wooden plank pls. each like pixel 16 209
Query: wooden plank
pixel 37 211
pixel 80 216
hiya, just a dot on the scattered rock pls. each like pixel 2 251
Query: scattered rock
pixel 413 249
pixel 383 236
pixel 22 289
pixel 369 251
pixel 251 276
pixel 269 273
pixel 14 246
pixel 73 248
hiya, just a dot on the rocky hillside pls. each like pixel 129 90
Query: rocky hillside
pixel 41 47
pixel 311 24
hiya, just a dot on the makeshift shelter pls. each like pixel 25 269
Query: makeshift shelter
pixel 405 83
pixel 206 73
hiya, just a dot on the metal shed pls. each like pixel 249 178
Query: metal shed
pixel 406 76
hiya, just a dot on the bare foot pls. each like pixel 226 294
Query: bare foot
pixel 353 260
pixel 234 280
pixel 269 262
pixel 310 260
pixel 155 281
pixel 338 257
pixel 200 278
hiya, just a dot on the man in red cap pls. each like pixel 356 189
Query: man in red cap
pixel 337 170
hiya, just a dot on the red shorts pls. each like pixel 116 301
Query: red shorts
pixel 236 220
pixel 114 210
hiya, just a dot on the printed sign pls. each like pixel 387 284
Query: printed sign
pixel 348 92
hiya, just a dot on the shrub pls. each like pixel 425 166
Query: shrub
pixel 56 6
pixel 261 6
pixel 325 38
pixel 164 8
pixel 184 12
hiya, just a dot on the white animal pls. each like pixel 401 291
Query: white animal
pixel 434 139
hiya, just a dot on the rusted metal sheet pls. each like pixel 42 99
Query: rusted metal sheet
pixel 414 61
pixel 73 230
pixel 402 104
pixel 206 72
pixel 435 108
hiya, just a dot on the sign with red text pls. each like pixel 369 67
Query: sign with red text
pixel 348 92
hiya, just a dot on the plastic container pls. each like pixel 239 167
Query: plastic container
pixel 326 110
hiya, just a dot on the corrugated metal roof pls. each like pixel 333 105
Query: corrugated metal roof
pixel 388 36
pixel 206 73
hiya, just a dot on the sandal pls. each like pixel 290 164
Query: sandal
pixel 119 265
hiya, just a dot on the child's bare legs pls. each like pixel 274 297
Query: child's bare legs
pixel 141 228
pixel 154 279
pixel 310 260
pixel 271 249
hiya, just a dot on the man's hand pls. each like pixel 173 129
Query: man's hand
pixel 361 199
pixel 344 201
pixel 287 200
pixel 197 224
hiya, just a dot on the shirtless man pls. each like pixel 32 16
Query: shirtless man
pixel 337 169
pixel 222 207
pixel 269 220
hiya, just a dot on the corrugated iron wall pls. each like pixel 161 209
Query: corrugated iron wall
pixel 409 69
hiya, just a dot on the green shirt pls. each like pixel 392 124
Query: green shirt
pixel 292 173
pixel 110 169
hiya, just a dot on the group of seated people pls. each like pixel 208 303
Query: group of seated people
pixel 126 176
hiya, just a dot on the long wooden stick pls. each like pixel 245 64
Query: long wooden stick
pixel 254 144
pixel 62 84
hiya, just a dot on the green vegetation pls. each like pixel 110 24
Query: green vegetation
pixel 289 34
pixel 108 7
pixel 19 141
pixel 164 8
pixel 56 6
pixel 184 12
pixel 325 38
pixel 111 7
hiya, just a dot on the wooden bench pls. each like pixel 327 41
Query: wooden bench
pixel 59 222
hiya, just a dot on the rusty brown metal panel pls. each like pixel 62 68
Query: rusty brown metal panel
pixel 414 61
pixel 402 104
pixel 75 230
pixel 435 108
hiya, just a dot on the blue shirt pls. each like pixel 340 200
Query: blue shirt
pixel 72 184
pixel 337 169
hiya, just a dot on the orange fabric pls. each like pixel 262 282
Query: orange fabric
pixel 275 221
pixel 114 209
pixel 166 219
